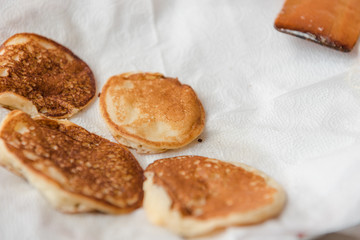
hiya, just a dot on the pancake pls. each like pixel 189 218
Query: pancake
pixel 193 195
pixel 75 170
pixel 38 75
pixel 150 112
pixel 335 24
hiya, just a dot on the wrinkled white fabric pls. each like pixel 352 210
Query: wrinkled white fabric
pixel 286 106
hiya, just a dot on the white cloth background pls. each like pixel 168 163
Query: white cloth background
pixel 281 104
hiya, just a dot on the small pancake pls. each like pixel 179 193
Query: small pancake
pixel 150 112
pixel 335 24
pixel 193 195
pixel 76 171
pixel 38 75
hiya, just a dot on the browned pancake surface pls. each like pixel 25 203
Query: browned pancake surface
pixel 151 110
pixel 46 73
pixel 79 161
pixel 206 188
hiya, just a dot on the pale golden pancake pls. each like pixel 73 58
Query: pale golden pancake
pixel 150 112
pixel 38 75
pixel 193 195
pixel 75 170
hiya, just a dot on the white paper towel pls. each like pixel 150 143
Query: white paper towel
pixel 281 104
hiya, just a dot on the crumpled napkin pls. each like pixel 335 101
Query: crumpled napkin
pixel 286 106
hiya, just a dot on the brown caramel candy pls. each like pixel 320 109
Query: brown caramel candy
pixel 333 23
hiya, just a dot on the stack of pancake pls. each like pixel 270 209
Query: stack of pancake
pixel 78 171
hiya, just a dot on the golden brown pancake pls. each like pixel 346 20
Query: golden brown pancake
pixel 193 195
pixel 334 23
pixel 150 112
pixel 76 171
pixel 38 75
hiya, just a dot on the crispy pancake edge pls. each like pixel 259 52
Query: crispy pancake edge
pixel 143 145
pixel 61 199
pixel 158 207
pixel 24 103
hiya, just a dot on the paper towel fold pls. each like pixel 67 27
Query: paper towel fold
pixel 284 105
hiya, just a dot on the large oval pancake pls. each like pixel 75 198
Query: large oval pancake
pixel 151 112
pixel 77 171
pixel 38 75
pixel 194 195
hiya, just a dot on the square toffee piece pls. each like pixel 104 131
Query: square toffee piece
pixel 332 23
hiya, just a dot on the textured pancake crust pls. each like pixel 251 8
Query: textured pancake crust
pixel 150 112
pixel 38 75
pixel 75 170
pixel 193 195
